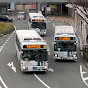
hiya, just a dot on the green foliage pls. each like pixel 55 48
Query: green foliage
pixel 85 55
pixel 6 28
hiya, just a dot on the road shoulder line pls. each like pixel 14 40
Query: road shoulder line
pixel 82 72
pixel 41 81
pixel 3 82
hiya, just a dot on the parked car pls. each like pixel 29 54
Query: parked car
pixel 21 15
pixel 5 18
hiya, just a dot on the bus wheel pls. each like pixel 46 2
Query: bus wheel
pixel 16 53
pixel 56 60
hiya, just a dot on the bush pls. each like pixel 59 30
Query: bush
pixel 85 55
pixel 6 28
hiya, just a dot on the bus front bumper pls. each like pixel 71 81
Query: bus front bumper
pixel 33 68
pixel 42 33
pixel 67 58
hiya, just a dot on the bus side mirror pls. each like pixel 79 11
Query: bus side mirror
pixel 53 43
pixel 76 42
pixel 48 50
pixel 21 52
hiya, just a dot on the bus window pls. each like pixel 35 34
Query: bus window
pixel 40 25
pixel 38 55
pixel 64 46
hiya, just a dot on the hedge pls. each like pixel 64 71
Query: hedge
pixel 85 55
pixel 5 28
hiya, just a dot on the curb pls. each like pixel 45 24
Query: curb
pixel 84 61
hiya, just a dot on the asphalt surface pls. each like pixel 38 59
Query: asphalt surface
pixel 66 74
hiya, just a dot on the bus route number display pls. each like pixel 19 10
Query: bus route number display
pixel 39 20
pixel 33 46
pixel 64 38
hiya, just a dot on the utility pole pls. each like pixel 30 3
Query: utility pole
pixel 45 8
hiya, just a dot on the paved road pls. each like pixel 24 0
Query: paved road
pixel 65 75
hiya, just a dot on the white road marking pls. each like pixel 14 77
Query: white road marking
pixel 53 25
pixel 48 50
pixel 3 83
pixel 4 35
pixel 50 69
pixel 0 87
pixel 41 81
pixel 3 44
pixel 82 73
pixel 12 66
pixel 7 40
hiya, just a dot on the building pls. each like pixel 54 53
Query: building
pixel 4 8
pixel 48 7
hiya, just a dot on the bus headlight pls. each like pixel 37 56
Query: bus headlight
pixel 44 31
pixel 45 67
pixel 74 55
pixel 56 55
pixel 23 67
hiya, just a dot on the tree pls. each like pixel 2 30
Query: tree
pixel 81 6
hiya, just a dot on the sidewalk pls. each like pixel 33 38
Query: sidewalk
pixel 66 19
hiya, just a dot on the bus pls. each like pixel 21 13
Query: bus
pixel 37 22
pixel 65 43
pixel 31 51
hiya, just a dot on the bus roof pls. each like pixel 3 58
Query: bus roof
pixel 29 37
pixel 59 30
pixel 36 16
pixel 64 31
pixel 21 12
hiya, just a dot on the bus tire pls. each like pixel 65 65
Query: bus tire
pixel 16 54
pixel 56 60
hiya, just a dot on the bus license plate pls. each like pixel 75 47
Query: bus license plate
pixel 35 68
pixel 63 58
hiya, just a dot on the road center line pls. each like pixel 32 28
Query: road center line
pixel 53 25
pixel 3 83
pixel 41 81
pixel 82 72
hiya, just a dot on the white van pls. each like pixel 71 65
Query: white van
pixel 21 15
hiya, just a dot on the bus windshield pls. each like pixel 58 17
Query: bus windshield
pixel 65 46
pixel 37 55
pixel 40 25
pixel 21 13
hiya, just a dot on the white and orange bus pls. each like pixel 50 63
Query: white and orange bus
pixel 65 43
pixel 37 22
pixel 31 50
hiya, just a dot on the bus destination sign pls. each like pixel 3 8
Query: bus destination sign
pixel 64 38
pixel 34 46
